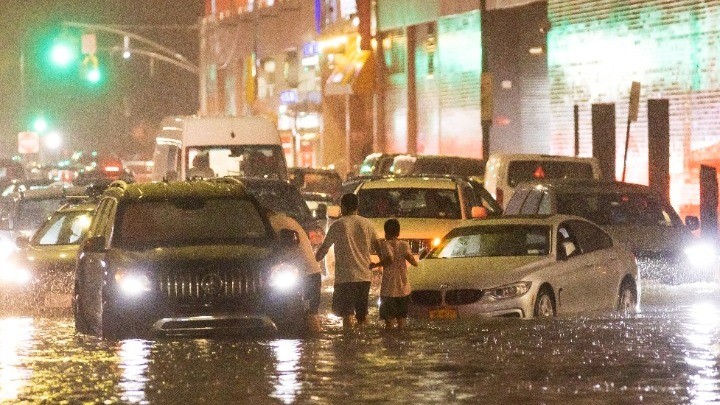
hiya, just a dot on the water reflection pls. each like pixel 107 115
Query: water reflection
pixel 16 337
pixel 287 355
pixel 703 333
pixel 134 356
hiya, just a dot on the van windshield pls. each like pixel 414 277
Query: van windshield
pixel 529 170
pixel 618 209
pixel 266 161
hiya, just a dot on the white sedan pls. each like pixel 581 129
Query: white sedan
pixel 524 267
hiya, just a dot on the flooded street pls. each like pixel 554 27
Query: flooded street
pixel 667 354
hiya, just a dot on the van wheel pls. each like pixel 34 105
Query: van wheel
pixel 544 303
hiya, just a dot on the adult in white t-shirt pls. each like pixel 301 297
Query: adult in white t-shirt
pixel 355 240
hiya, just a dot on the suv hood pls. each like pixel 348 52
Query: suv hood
pixel 474 272
pixel 651 238
pixel 420 228
pixel 189 254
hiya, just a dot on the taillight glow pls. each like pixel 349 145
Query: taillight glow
pixel 112 169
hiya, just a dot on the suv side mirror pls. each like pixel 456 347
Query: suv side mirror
pixel 692 222
pixel 22 241
pixel 288 237
pixel 333 211
pixel 95 244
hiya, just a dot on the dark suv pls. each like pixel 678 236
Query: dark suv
pixel 634 214
pixel 186 258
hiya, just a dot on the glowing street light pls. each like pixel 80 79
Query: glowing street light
pixel 53 140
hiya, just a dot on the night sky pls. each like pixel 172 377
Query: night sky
pixel 117 115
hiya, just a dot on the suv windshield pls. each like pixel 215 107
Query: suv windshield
pixel 64 228
pixel 618 209
pixel 409 203
pixel 501 240
pixel 188 222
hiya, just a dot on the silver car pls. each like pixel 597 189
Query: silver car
pixel 524 267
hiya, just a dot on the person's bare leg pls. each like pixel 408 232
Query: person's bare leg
pixel 348 322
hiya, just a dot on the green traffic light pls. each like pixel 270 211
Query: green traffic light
pixel 62 54
pixel 40 125
pixel 93 75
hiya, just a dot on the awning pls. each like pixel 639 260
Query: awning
pixel 352 75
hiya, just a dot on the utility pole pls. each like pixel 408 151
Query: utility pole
pixel 486 84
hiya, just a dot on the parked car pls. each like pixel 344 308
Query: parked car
pixel 504 171
pixel 427 207
pixel 635 215
pixel 316 181
pixel 186 258
pixel 39 274
pixel 103 171
pixel 524 267
pixel 22 212
pixel 412 164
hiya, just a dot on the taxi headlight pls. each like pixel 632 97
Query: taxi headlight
pixel 284 277
pixel 132 283
pixel 508 291
pixel 15 274
pixel 701 253
pixel 7 247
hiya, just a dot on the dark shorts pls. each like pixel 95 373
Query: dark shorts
pixel 311 291
pixel 351 298
pixel 394 307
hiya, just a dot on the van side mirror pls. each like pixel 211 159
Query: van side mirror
pixel 95 244
pixel 288 237
pixel 692 222
pixel 478 212
pixel 333 211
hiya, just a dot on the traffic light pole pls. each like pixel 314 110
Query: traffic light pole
pixel 170 56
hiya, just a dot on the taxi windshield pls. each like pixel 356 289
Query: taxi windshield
pixel 409 203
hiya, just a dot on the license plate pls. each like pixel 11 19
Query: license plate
pixel 444 313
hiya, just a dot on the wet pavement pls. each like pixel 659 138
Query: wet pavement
pixel 667 354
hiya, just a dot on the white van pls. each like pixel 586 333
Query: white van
pixel 505 171
pixel 218 146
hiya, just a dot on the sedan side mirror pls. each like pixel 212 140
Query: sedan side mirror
pixel 692 222
pixel 333 211
pixel 288 237
pixel 479 212
pixel 95 244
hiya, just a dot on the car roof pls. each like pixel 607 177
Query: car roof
pixel 535 156
pixel 256 182
pixel 547 220
pixel 585 186
pixel 49 192
pixel 411 182
pixel 212 188
pixel 312 170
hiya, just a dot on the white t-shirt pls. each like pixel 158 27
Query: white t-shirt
pixel 302 254
pixel 354 239
pixel 394 276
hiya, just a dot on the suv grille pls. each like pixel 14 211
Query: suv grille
pixel 204 286
pixel 416 245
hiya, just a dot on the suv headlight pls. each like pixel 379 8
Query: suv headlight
pixel 701 253
pixel 284 277
pixel 132 283
pixel 508 291
pixel 15 274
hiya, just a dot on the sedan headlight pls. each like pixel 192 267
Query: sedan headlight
pixel 284 277
pixel 508 291
pixel 701 253
pixel 7 247
pixel 15 274
pixel 132 283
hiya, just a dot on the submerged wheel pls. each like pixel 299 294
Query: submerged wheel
pixel 627 298
pixel 544 303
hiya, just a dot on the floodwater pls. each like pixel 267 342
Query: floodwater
pixel 667 354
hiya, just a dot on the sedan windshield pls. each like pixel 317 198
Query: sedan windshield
pixel 188 222
pixel 498 240
pixel 409 203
